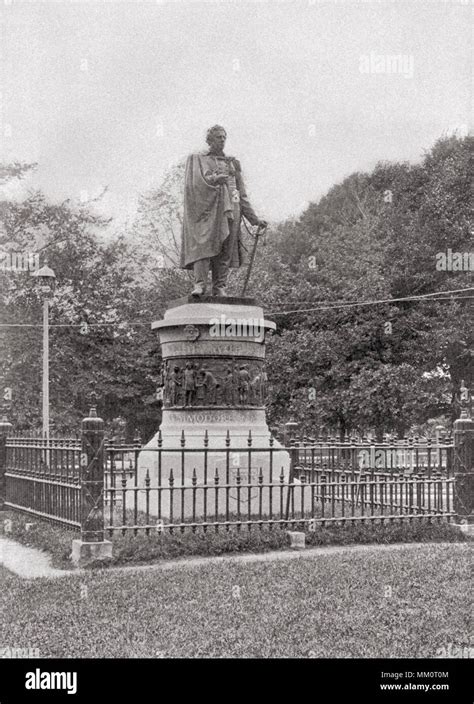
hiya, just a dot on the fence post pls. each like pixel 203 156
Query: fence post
pixel 290 439
pixel 464 465
pixel 91 544
pixel 5 428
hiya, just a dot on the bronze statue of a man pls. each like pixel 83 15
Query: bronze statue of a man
pixel 214 201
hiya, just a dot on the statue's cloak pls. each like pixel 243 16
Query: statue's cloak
pixel 211 214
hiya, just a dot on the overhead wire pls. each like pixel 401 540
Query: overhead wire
pixel 440 296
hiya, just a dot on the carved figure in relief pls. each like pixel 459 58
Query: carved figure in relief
pixel 208 383
pixel 162 383
pixel 175 385
pixel 244 384
pixel 255 386
pixel 229 396
pixel 189 384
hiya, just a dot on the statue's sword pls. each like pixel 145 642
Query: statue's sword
pixel 260 231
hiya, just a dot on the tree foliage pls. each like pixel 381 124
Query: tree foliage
pixel 374 237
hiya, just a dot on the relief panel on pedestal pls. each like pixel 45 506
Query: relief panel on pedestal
pixel 213 381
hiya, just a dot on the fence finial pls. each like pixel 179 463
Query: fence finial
pixel 93 405
pixel 5 425
pixel 93 421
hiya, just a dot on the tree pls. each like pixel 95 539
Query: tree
pixel 372 238
pixel 98 342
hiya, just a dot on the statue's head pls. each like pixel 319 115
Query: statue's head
pixel 216 137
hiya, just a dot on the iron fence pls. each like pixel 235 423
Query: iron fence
pixel 408 454
pixel 43 476
pixel 43 479
pixel 201 488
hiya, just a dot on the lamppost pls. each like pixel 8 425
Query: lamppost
pixel 47 278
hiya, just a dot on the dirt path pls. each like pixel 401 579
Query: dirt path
pixel 25 562
pixel 31 563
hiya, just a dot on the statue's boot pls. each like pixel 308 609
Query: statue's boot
pixel 198 290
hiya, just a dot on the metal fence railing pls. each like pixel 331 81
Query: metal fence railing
pixel 411 453
pixel 231 488
pixel 107 488
pixel 43 479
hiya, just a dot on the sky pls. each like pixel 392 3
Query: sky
pixel 112 94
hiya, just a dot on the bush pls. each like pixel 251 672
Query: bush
pixel 140 549
pixel 385 533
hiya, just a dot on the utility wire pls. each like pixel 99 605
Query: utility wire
pixel 70 325
pixel 422 295
pixel 426 296
pixel 380 302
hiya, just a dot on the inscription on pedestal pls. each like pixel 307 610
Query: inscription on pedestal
pixel 182 348
pixel 198 417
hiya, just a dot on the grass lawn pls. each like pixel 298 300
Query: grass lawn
pixel 393 603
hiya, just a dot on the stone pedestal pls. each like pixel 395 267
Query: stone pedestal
pixel 213 431
pixel 297 540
